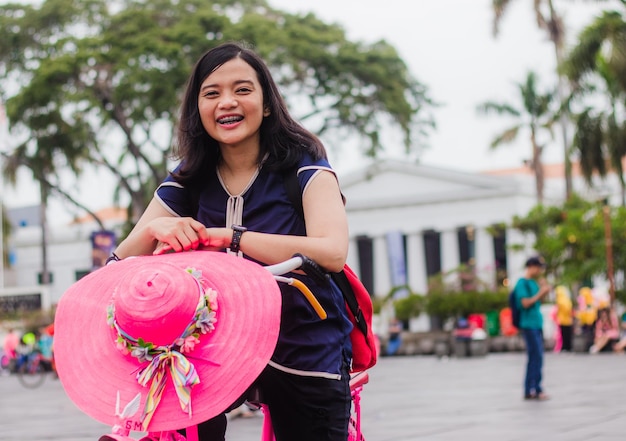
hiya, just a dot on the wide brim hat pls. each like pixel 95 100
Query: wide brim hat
pixel 156 299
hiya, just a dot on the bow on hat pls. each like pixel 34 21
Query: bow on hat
pixel 183 375
pixel 170 358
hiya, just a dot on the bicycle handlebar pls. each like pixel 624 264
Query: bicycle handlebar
pixel 285 267
pixel 298 261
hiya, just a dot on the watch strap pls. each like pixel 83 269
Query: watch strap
pixel 235 242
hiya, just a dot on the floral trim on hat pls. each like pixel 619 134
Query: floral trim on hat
pixel 203 322
pixel 169 358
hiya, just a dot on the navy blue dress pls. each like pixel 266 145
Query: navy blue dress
pixel 307 345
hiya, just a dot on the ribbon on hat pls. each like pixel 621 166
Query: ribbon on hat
pixel 184 377
pixel 169 359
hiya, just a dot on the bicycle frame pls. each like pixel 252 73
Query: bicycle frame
pixel 32 369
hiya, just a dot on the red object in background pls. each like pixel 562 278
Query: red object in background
pixel 506 322
pixel 477 321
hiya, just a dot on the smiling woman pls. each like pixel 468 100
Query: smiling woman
pixel 232 110
pixel 236 140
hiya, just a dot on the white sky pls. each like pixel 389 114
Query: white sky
pixel 449 47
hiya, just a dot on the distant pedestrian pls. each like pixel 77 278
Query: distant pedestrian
pixel 11 341
pixel 564 317
pixel 587 314
pixel 529 290
pixel 606 331
pixel 621 344
pixel 395 336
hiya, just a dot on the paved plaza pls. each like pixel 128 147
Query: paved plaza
pixel 408 398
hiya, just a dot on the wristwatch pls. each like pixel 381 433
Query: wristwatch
pixel 238 231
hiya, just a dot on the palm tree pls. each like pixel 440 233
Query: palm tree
pixel 533 113
pixel 552 23
pixel 598 61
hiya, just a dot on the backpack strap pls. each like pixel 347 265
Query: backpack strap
pixel 343 283
pixel 292 187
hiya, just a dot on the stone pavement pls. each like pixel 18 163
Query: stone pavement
pixel 408 398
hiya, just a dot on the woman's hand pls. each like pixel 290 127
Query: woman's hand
pixel 184 234
pixel 159 231
pixel 177 234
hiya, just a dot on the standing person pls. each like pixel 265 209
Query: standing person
pixel 564 316
pixel 236 140
pixel 529 290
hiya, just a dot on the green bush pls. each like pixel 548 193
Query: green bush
pixel 410 306
pixel 446 305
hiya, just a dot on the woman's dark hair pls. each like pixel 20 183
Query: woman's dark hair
pixel 284 139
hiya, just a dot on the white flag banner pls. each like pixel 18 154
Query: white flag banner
pixel 397 262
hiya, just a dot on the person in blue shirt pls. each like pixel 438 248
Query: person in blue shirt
pixel 529 290
pixel 236 141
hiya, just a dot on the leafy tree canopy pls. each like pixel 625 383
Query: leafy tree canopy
pixel 571 238
pixel 89 81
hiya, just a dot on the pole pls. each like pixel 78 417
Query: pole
pixel 1 227
pixel 608 241
pixel 4 136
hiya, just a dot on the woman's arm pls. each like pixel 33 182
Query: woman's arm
pixel 157 225
pixel 326 241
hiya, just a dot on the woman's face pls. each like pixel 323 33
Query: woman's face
pixel 230 103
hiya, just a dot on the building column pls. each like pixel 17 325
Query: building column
pixel 449 251
pixel 382 280
pixel 485 258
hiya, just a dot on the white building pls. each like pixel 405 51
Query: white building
pixel 433 219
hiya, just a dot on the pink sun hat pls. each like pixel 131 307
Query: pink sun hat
pixel 176 338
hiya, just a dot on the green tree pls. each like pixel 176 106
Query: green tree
pixel 571 238
pixel 108 77
pixel 535 112
pixel 596 67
